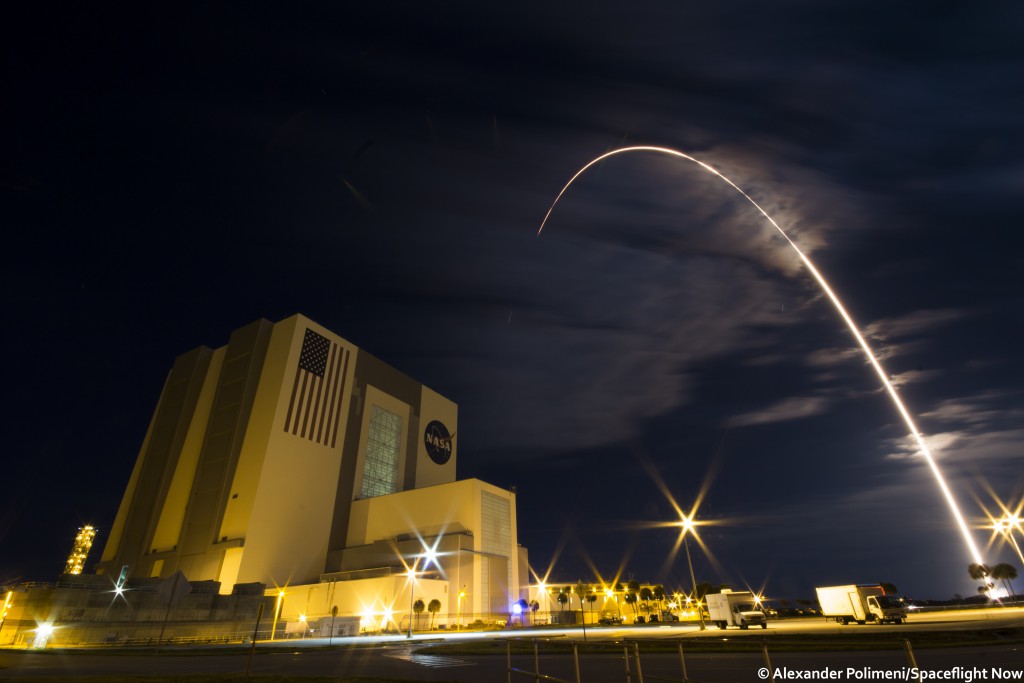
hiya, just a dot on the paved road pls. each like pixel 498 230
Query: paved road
pixel 396 657
pixel 393 661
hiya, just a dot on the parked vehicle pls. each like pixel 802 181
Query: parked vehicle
pixel 609 619
pixel 861 603
pixel 736 608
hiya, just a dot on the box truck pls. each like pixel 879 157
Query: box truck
pixel 736 608
pixel 861 603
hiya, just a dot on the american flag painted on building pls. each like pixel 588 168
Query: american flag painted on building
pixel 314 411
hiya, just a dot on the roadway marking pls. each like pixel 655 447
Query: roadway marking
pixel 431 661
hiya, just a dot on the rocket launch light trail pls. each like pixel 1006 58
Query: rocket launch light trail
pixel 879 370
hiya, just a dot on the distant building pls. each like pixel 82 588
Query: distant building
pixel 80 551
pixel 290 457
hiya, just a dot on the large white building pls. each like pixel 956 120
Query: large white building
pixel 292 458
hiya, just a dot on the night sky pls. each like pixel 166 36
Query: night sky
pixel 169 173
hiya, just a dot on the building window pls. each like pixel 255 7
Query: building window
pixel 383 452
pixel 496 518
pixel 496 539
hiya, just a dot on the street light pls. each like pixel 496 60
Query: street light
pixel 412 588
pixel 277 613
pixel 687 524
pixel 428 555
pixel 1006 525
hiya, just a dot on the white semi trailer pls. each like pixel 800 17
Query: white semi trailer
pixel 736 608
pixel 861 603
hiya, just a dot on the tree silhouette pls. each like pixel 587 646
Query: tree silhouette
pixel 981 572
pixel 645 597
pixel 581 592
pixel 1004 572
pixel 978 571
pixel 562 599
pixel 630 597
pixel 418 607
pixel 434 607
pixel 659 595
pixel 1011 574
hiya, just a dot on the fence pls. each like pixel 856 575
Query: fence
pixel 634 666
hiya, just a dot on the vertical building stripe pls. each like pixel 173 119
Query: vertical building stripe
pixel 341 401
pixel 331 379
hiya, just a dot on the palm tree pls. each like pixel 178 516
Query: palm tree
pixel 630 599
pixel 434 607
pixel 1005 572
pixel 645 596
pixel 659 595
pixel 418 607
pixel 581 592
pixel 1011 574
pixel 632 588
pixel 591 598
pixel 534 606
pixel 978 572
pixel 562 599
pixel 981 572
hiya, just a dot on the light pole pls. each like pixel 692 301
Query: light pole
pixel 277 613
pixel 458 610
pixel 687 525
pixel 412 587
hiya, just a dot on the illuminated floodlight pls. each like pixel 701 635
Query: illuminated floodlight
pixel 430 555
pixel 517 608
pixel 302 618
pixel 43 633
pixel 1005 526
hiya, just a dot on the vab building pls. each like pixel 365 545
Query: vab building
pixel 292 458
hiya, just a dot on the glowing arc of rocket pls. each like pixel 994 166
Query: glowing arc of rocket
pixel 879 370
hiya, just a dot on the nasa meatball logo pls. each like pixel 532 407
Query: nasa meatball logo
pixel 438 442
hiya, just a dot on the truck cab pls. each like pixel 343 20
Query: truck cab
pixel 889 608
